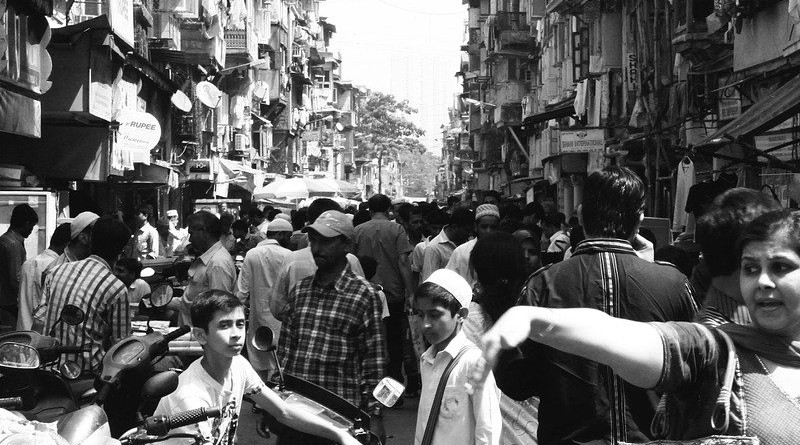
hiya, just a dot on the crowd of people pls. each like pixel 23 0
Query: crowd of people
pixel 511 324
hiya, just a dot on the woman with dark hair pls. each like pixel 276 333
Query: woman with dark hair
pixel 500 267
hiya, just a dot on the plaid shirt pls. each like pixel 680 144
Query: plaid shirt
pixel 90 285
pixel 333 337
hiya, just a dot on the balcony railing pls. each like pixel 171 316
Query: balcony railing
pixel 512 21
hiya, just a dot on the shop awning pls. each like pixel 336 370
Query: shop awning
pixel 564 108
pixel 768 112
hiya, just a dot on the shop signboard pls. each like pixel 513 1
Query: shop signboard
pixel 582 141
pixel 769 141
pixel 730 101
pixel 120 15
pixel 138 133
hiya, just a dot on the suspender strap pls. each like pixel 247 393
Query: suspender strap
pixel 430 427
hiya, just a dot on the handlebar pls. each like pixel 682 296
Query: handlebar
pixel 11 402
pixel 161 425
pixel 67 349
pixel 177 333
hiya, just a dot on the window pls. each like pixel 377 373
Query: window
pixel 513 70
pixel 20 56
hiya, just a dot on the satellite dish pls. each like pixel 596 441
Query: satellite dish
pixel 208 94
pixel 260 90
pixel 339 127
pixel 181 101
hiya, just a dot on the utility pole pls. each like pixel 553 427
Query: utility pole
pixel 380 172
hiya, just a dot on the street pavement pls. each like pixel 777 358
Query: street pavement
pixel 399 423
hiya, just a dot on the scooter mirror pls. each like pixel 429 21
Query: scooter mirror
pixel 70 370
pixel 160 385
pixel 18 356
pixel 263 338
pixel 388 391
pixel 147 272
pixel 72 315
pixel 161 295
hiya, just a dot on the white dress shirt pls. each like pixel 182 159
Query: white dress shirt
pixel 256 281
pixel 459 262
pixel 30 286
pixel 464 419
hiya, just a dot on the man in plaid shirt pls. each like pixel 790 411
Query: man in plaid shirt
pixel 333 335
pixel 91 285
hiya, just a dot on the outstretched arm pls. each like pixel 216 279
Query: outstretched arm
pixel 633 350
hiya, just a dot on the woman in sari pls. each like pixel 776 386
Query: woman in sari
pixel 687 361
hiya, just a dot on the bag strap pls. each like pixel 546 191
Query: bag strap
pixel 430 427
pixel 720 417
pixel 611 306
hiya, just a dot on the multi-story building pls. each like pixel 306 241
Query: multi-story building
pixel 554 90
pixel 226 90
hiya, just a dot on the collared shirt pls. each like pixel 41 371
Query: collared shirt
pixel 136 291
pixel 214 269
pixel 459 261
pixel 90 285
pixel 720 308
pixel 567 384
pixel 30 287
pixel 464 419
pixel 145 242
pixel 333 336
pixel 12 256
pixel 385 241
pixel 256 280
pixel 418 255
pixel 437 254
pixel 298 265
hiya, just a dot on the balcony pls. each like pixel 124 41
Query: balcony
pixel 166 31
pixel 512 21
pixel 241 43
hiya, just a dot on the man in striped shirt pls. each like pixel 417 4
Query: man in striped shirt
pixel 89 284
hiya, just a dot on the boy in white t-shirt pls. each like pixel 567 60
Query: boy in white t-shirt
pixel 222 377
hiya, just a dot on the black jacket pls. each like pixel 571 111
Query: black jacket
pixel 575 400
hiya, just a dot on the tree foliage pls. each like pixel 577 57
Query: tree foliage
pixel 419 172
pixel 385 124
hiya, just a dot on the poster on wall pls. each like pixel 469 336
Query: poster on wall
pixel 120 15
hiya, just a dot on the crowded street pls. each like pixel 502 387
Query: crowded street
pixel 372 222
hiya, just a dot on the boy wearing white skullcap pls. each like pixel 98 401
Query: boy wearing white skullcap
pixel 459 417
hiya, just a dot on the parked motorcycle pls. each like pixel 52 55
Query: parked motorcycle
pixel 27 365
pixel 310 397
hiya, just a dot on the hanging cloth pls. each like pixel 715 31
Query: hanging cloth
pixel 685 181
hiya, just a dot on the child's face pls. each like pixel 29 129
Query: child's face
pixel 438 324
pixel 126 276
pixel 225 336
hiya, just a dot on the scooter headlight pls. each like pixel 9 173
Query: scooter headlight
pixel 19 356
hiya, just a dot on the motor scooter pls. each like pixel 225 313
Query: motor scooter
pixel 29 372
pixel 296 391
pixel 126 368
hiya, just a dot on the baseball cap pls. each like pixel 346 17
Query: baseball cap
pixel 522 235
pixel 454 283
pixel 172 212
pixel 279 225
pixel 332 223
pixel 282 216
pixel 82 221
pixel 487 210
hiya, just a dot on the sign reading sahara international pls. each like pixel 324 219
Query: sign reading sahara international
pixel 582 141
pixel 138 131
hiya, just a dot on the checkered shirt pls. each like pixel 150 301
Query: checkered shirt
pixel 333 337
